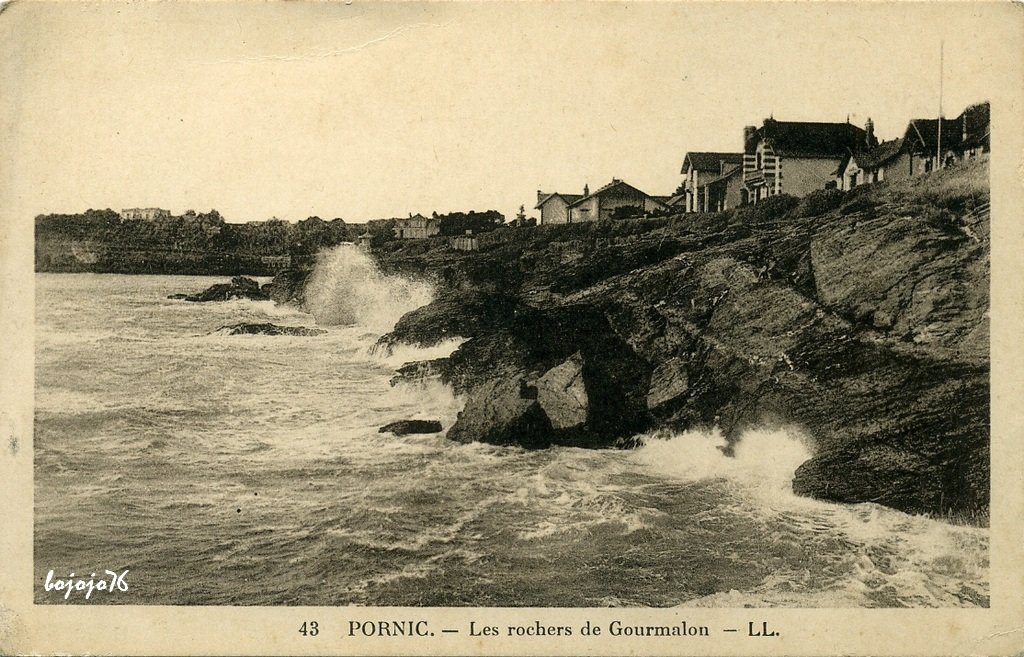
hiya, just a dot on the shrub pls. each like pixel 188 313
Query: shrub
pixel 770 209
pixel 819 202
pixel 859 200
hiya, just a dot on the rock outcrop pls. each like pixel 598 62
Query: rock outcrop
pixel 562 394
pixel 240 287
pixel 503 411
pixel 406 427
pixel 861 319
pixel 287 286
pixel 268 329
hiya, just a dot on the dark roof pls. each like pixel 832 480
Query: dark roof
pixel 709 161
pixel 884 152
pixel 971 128
pixel 873 157
pixel 923 134
pixel 804 139
pixel 568 198
pixel 614 183
pixel 975 122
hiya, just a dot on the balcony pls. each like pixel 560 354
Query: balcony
pixel 758 177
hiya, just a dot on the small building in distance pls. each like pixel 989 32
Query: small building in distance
pixel 557 208
pixel 887 161
pixel 700 168
pixel 796 157
pixel 554 208
pixel 976 128
pixel 416 226
pixel 968 135
pixel 364 240
pixel 616 195
pixel 144 214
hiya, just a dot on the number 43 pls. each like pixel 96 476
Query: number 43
pixel 309 628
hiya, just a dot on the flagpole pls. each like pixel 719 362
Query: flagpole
pixel 938 145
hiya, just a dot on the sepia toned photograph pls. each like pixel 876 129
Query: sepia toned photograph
pixel 426 307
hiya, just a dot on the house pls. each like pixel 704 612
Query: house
pixel 554 208
pixel 700 168
pixel 965 136
pixel 923 141
pixel 144 214
pixel 795 157
pixel 723 192
pixel 615 196
pixel 975 129
pixel 365 240
pixel 417 227
pixel 890 160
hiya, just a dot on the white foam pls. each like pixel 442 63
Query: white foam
pixel 764 460
pixel 401 354
pixel 347 288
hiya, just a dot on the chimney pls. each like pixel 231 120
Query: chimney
pixel 748 135
pixel 586 189
pixel 869 128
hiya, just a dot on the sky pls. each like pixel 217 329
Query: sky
pixel 363 110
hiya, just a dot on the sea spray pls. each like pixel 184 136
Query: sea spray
pixel 402 354
pixel 347 288
pixel 762 460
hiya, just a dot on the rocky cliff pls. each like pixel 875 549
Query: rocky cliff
pixel 860 319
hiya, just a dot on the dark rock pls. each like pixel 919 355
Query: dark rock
pixel 569 362
pixel 419 370
pixel 268 329
pixel 455 314
pixel 240 287
pixel 496 413
pixel 669 382
pixel 562 394
pixel 287 286
pixel 405 427
pixel 909 278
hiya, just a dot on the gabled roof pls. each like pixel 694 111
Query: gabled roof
pixel 676 200
pixel 710 161
pixel 607 188
pixel 568 198
pixel 807 139
pixel 971 128
pixel 923 134
pixel 874 157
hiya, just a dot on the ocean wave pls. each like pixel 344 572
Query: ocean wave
pixel 763 461
pixel 347 288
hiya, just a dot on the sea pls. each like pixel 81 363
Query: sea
pixel 249 470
